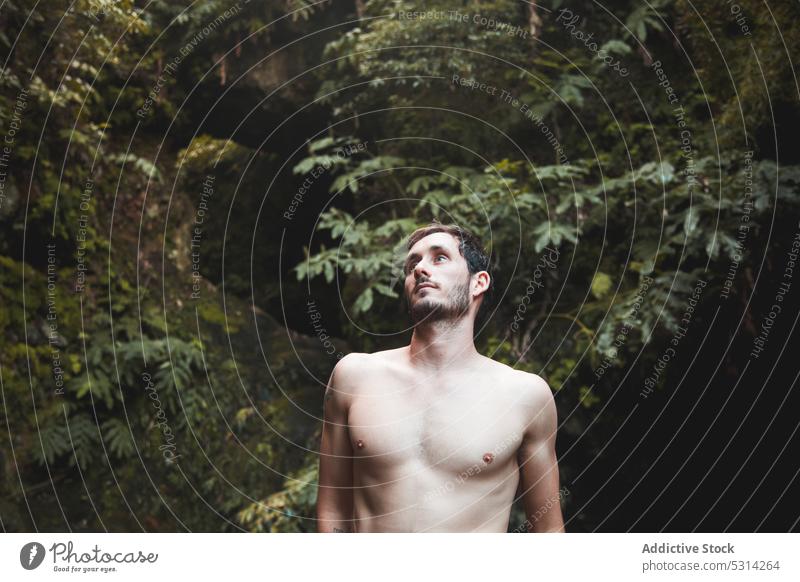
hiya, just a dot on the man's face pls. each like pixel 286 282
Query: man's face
pixel 437 284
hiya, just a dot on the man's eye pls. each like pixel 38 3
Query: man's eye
pixel 441 257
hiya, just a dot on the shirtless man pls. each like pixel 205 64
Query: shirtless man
pixel 435 437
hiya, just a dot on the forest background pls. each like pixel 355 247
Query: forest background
pixel 203 205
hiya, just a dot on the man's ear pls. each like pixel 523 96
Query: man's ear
pixel 481 281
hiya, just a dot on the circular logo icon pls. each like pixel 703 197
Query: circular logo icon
pixel 31 555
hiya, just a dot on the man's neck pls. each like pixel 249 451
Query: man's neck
pixel 440 345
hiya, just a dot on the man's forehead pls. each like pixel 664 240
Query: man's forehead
pixel 438 239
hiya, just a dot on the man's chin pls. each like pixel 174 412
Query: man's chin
pixel 426 310
pixel 432 312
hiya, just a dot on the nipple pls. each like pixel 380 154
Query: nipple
pixel 488 458
pixel 360 444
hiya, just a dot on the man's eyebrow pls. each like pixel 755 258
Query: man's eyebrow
pixel 433 248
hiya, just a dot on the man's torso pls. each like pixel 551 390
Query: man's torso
pixel 435 452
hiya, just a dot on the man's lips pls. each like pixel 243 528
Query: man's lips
pixel 424 286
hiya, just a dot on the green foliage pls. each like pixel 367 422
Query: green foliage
pixel 687 206
pixel 582 170
pixel 646 17
pixel 292 509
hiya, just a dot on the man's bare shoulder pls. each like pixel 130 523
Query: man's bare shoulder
pixel 394 355
pixel 347 369
pixel 519 377
pixel 535 386
pixel 540 407
pixel 358 361
pixel 356 368
pixel 527 386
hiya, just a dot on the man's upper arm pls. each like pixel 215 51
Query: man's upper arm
pixel 335 494
pixel 538 462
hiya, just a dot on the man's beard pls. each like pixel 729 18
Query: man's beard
pixel 454 307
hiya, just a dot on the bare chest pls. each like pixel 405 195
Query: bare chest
pixel 453 433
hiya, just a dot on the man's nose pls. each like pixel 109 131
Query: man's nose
pixel 421 270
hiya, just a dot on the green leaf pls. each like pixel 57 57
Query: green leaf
pixel 616 47
pixel 364 301
pixel 601 285
pixel 329 273
pixel 691 221
pixel 118 436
